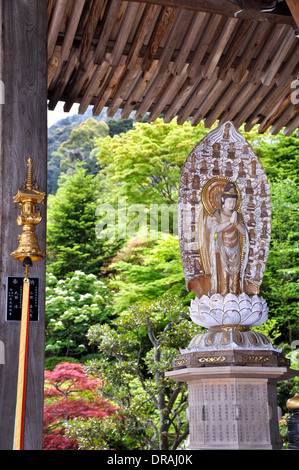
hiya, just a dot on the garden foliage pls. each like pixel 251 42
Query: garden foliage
pixel 125 300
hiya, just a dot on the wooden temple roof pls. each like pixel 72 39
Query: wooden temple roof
pixel 185 59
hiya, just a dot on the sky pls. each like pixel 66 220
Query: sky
pixel 58 113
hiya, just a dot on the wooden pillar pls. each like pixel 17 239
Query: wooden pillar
pixel 23 134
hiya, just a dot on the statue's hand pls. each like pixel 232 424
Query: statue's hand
pixel 234 217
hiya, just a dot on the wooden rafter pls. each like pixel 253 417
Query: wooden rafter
pixel 195 61
pixel 294 8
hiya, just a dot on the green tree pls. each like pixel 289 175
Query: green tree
pixel 72 243
pixel 57 134
pixel 79 146
pixel 135 354
pixel 147 160
pixel 280 156
pixel 280 285
pixel 144 269
pixel 72 306
pixel 119 126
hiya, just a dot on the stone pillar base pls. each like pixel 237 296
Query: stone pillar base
pixel 233 407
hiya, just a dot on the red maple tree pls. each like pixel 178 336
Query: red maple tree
pixel 70 393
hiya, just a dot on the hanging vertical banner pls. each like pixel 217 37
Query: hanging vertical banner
pixel 22 372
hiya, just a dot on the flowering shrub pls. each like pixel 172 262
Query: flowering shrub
pixel 72 306
pixel 70 393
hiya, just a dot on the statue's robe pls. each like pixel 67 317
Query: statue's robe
pixel 224 256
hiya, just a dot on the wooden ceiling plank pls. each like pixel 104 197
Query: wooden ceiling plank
pixel 123 34
pixel 182 96
pixel 72 28
pixel 162 28
pixel 195 98
pixel 63 80
pixel 138 90
pixel 294 9
pixel 127 82
pixel 218 47
pixel 58 71
pixel 284 118
pixel 210 100
pixel 250 106
pixel 146 23
pixel 153 90
pixel 98 76
pixel 169 94
pixel 273 107
pixel 92 15
pixel 189 39
pixel 203 44
pixel 179 38
pixel 74 88
pixel 279 56
pixel 291 126
pixel 178 29
pixel 270 45
pixel 253 44
pixel 52 67
pixel 241 34
pixel 109 87
pixel 50 8
pixel 289 69
pixel 54 27
pixel 224 102
pixel 239 101
pixel 226 8
pixel 114 7
pixel 156 87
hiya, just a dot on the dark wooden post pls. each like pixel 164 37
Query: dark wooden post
pixel 23 134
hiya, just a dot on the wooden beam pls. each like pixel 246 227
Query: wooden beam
pixel 71 28
pixel 195 98
pixel 171 90
pixel 294 9
pixel 218 47
pixel 210 28
pixel 280 55
pixel 138 90
pixel 225 8
pixel 23 124
pixel 292 125
pixel 55 23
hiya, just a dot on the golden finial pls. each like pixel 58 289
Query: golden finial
pixel 29 174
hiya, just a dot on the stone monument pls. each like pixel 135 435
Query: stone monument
pixel 224 229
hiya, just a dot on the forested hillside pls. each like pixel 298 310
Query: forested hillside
pixel 72 140
pixel 115 286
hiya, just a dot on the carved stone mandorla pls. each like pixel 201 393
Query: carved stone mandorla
pixel 224 250
pixel 229 320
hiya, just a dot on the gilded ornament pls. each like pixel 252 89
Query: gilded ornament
pixel 28 198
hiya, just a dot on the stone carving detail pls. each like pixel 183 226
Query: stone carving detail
pixel 221 157
pixel 224 231
pixel 239 310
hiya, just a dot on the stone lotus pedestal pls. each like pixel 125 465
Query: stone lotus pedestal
pixel 232 374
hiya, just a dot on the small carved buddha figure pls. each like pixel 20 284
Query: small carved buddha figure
pixel 226 229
